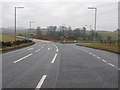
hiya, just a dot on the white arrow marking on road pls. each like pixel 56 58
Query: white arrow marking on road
pixel 22 58
pixel 54 58
pixel 41 82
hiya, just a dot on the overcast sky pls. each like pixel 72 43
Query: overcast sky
pixel 57 12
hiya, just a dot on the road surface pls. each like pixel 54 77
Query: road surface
pixel 55 65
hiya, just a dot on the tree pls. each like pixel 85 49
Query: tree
pixel 84 33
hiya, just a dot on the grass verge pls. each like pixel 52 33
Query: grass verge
pixel 107 47
pixel 13 47
pixel 75 41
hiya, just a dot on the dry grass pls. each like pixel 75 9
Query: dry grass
pixel 6 38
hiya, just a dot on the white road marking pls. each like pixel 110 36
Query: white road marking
pixel 57 50
pixel 103 60
pixel 111 64
pixel 43 46
pixel 55 45
pixel 30 48
pixel 48 49
pixel 19 49
pixel 38 50
pixel 54 58
pixel 98 57
pixel 94 55
pixel 22 58
pixel 41 82
pixel 90 53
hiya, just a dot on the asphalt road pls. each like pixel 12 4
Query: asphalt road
pixel 54 65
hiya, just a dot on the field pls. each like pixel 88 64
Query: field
pixel 105 34
pixel 6 38
pixel 107 47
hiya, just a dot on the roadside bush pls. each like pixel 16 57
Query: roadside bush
pixel 8 43
pixel 18 42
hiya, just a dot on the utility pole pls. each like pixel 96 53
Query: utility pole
pixel 31 23
pixel 15 21
pixel 95 21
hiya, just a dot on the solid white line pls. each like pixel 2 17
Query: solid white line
pixel 22 58
pixel 57 50
pixel 30 48
pixel 110 64
pixel 41 82
pixel 54 58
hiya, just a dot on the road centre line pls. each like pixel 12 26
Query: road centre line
pixel 54 58
pixel 57 50
pixel 104 60
pixel 98 57
pixel 111 64
pixel 41 82
pixel 48 49
pixel 22 58
pixel 30 48
pixel 38 50
pixel 55 45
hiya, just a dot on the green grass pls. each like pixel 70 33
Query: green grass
pixel 105 34
pixel 6 38
pixel 107 47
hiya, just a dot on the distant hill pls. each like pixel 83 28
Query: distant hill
pixel 12 28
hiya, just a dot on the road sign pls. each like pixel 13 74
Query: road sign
pixel 66 35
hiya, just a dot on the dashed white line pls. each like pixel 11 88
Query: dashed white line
pixel 48 49
pixel 54 58
pixel 111 64
pixel 98 57
pixel 55 45
pixel 38 50
pixel 57 50
pixel 41 82
pixel 22 58
pixel 104 60
pixel 90 53
pixel 43 46
pixel 30 48
pixel 94 55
